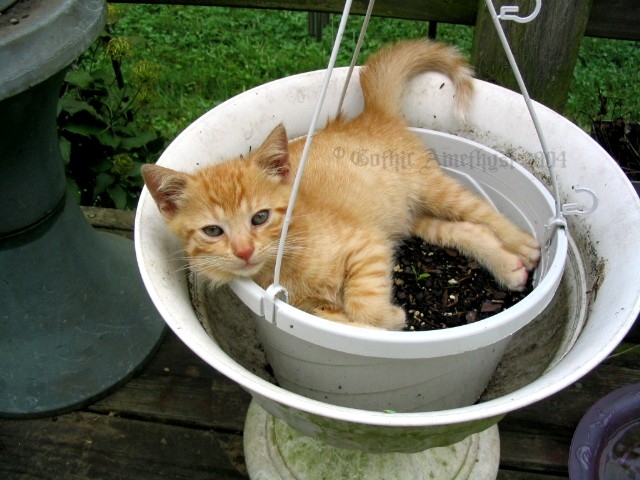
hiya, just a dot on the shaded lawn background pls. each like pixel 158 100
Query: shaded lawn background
pixel 180 61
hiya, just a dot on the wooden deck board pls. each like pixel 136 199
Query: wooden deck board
pixel 180 388
pixel 84 445
pixel 180 418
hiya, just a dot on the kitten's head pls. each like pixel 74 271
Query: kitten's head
pixel 228 216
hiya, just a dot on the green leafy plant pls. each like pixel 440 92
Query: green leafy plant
pixel 420 276
pixel 103 137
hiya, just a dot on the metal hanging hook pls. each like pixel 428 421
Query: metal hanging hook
pixel 529 103
pixel 508 12
pixel 558 221
pixel 272 293
pixel 566 209
pixel 573 209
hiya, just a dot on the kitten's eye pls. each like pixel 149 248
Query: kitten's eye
pixel 212 231
pixel 260 217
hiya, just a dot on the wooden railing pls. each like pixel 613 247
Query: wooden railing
pixel 546 49
pixel 618 19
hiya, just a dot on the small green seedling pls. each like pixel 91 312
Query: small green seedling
pixel 420 276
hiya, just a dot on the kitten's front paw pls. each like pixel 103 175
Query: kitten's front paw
pixel 395 319
pixel 334 314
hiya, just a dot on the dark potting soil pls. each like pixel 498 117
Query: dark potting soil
pixel 440 288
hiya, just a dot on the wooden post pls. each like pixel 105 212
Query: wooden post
pixel 317 21
pixel 545 49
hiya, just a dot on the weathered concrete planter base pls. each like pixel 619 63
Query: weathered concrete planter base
pixel 275 451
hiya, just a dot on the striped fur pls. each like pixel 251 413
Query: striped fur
pixel 351 211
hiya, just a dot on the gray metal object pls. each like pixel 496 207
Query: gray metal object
pixel 4 4
pixel 75 320
pixel 48 36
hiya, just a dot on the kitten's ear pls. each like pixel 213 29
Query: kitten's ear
pixel 166 187
pixel 273 154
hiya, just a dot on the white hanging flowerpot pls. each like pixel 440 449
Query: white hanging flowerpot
pixel 604 246
pixel 369 368
pixel 408 371
pixel 377 391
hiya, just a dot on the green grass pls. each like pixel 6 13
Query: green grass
pixel 610 68
pixel 206 55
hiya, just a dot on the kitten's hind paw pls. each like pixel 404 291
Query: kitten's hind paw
pixel 526 247
pixel 518 279
pixel 512 273
pixel 334 314
pixel 389 317
pixel 529 253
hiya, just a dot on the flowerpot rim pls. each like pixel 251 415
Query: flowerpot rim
pixel 419 344
pixel 573 365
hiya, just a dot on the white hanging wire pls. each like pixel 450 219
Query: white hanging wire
pixel 558 221
pixel 309 139
pixel 506 13
pixel 356 54
pixel 276 290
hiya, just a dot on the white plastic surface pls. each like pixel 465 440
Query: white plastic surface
pixel 517 194
pixel 608 240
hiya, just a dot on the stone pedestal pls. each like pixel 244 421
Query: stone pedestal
pixel 275 451
pixel 75 320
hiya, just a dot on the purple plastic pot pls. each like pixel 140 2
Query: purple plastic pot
pixel 606 443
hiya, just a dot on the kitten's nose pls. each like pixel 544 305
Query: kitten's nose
pixel 244 252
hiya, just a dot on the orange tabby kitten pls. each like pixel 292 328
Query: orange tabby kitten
pixel 348 218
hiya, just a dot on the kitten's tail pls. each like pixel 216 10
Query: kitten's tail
pixel 386 73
